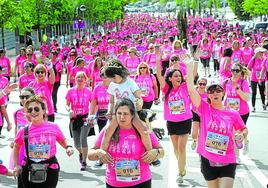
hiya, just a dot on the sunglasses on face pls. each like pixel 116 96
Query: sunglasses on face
pixel 236 70
pixel 143 67
pixel 27 67
pixel 24 97
pixel 202 84
pixel 215 89
pixel 173 60
pixel 36 109
pixel 39 72
pixel 29 54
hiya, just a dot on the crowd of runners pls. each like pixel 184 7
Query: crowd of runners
pixel 112 79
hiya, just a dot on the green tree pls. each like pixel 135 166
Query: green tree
pixel 236 6
pixel 255 8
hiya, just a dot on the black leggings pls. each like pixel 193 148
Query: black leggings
pixel 216 65
pixel 245 118
pixel 254 92
pixel 54 94
pixel 51 181
pixel 158 85
pixel 147 105
pixel 147 184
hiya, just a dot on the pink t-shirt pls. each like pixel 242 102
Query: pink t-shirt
pixel 248 54
pixel 20 119
pixel 151 61
pixel 255 65
pixel 217 126
pixel 101 96
pixel 206 51
pixel 122 57
pixel 42 141
pixel 79 99
pixel 166 50
pixel 132 64
pixel 3 169
pixel 24 80
pixel 5 64
pixel 177 104
pixel 224 74
pixel 96 79
pixel 58 67
pixel 44 89
pixel 145 83
pixel 3 82
pixel 18 61
pixel 129 150
pixel 237 57
pixel 3 102
pixel 233 100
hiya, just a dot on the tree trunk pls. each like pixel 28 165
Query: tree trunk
pixel 3 34
pixel 182 26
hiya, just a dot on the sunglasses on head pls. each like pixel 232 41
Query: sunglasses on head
pixel 26 67
pixel 36 109
pixel 39 72
pixel 236 70
pixel 143 67
pixel 202 84
pixel 24 97
pixel 215 89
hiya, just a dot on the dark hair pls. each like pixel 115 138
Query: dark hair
pixel 1 68
pixel 168 75
pixel 27 89
pixel 227 52
pixel 37 99
pixel 123 102
pixel 78 60
pixel 30 64
pixel 115 67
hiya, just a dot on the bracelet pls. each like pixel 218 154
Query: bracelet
pixel 68 146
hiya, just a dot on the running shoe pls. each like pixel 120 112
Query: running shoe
pixel 246 148
pixel 193 146
pixel 253 110
pixel 83 166
pixel 156 163
pixel 80 158
pixel 98 164
pixel 264 107
pixel 180 176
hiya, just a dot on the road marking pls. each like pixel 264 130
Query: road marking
pixel 253 169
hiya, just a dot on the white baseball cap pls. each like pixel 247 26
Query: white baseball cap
pixel 259 49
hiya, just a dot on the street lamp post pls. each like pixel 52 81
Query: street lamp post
pixel 80 22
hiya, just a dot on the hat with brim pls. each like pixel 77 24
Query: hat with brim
pixel 132 49
pixel 259 49
pixel 214 85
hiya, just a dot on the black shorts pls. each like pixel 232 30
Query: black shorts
pixel 212 173
pixel 179 128
pixel 196 117
pixel 245 118
pixel 205 62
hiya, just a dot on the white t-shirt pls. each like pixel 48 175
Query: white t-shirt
pixel 125 89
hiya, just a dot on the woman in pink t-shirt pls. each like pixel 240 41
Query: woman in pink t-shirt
pixel 237 94
pixel 95 72
pixel 255 65
pixel 78 66
pixel 70 64
pixel 216 136
pixel 19 59
pixel 248 52
pixel 201 89
pixel 78 100
pixel 177 113
pixel 126 158
pixel 28 75
pixel 132 62
pixel 147 84
pixel 41 148
pixel 205 47
pixel 237 56
pixel 225 65
pixel 43 85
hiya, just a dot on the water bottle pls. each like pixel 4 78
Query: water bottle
pixel 238 141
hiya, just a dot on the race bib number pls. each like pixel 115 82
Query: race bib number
pixel 4 70
pixel 233 103
pixel 39 151
pixel 258 74
pixel 144 90
pixel 216 143
pixel 176 107
pixel 204 53
pixel 127 171
pixel 236 60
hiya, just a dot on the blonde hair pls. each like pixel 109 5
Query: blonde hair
pixel 40 67
pixel 176 41
pixel 81 73
pixel 143 63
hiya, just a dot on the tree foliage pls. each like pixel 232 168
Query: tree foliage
pixel 255 8
pixel 237 8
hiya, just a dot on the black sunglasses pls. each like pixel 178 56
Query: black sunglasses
pixel 143 67
pixel 36 109
pixel 173 60
pixel 215 89
pixel 29 54
pixel 24 97
pixel 202 84
pixel 236 70
pixel 39 72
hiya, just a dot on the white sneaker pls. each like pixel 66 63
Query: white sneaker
pixel 179 179
pixel 193 145
pixel 246 147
